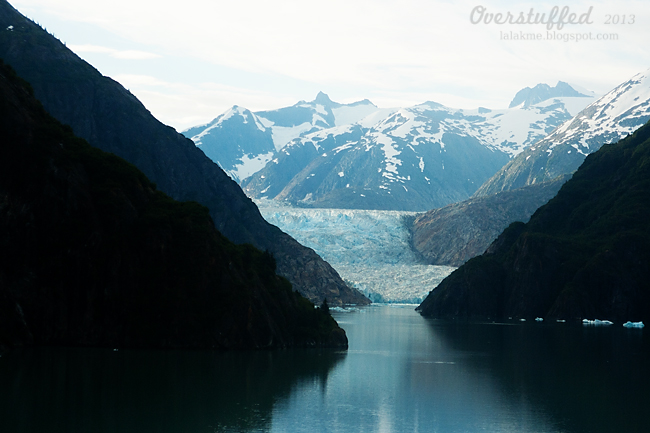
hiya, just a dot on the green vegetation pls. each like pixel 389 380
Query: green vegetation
pixel 585 254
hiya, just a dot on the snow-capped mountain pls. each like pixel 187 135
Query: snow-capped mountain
pixel 607 120
pixel 237 140
pixel 414 158
pixel 243 142
pixel 541 92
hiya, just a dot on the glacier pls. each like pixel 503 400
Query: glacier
pixel 370 249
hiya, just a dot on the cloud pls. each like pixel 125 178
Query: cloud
pixel 183 105
pixel 376 49
pixel 117 54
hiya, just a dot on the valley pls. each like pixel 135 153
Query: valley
pixel 396 265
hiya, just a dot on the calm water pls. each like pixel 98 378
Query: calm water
pixel 402 373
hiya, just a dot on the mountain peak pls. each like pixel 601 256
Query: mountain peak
pixel 322 98
pixel 542 92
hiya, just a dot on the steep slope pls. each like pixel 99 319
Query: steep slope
pixel 585 254
pixel 414 159
pixel 612 117
pixel 455 233
pixel 92 254
pixel 109 117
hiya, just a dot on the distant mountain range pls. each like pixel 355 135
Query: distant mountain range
pixel 607 120
pixel 455 233
pixel 109 117
pixel 583 255
pixel 325 154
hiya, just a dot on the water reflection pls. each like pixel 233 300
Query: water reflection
pixel 402 373
pixel 98 390
pixel 584 378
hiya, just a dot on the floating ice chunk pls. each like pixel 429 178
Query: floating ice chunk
pixel 596 322
pixel 633 324
pixel 522 320
pixel 560 320
pixel 539 319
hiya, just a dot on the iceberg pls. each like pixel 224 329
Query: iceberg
pixel 596 322
pixel 633 324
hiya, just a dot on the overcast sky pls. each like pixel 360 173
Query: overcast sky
pixel 188 61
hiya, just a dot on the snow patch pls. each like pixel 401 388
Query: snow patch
pixel 249 166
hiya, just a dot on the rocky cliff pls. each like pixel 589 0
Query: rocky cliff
pixel 455 233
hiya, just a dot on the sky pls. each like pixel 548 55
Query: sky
pixel 190 61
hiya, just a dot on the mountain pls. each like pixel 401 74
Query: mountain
pixel 109 117
pixel 414 159
pixel 584 254
pixel 457 232
pixel 237 141
pixel 542 92
pixel 242 142
pixel 607 120
pixel 92 254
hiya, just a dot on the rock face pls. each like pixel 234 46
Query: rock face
pixel 585 254
pixel 109 117
pixel 455 233
pixel 609 119
pixel 92 254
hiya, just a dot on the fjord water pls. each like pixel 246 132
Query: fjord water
pixel 402 373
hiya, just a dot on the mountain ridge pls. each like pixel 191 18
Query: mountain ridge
pixel 612 117
pixel 413 159
pixel 109 117
pixel 92 254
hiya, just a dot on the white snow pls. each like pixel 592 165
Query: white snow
pixel 378 116
pixel 346 115
pixel 284 134
pixel 320 109
pixel 390 151
pixel 249 166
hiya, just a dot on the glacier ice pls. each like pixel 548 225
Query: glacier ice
pixel 368 248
